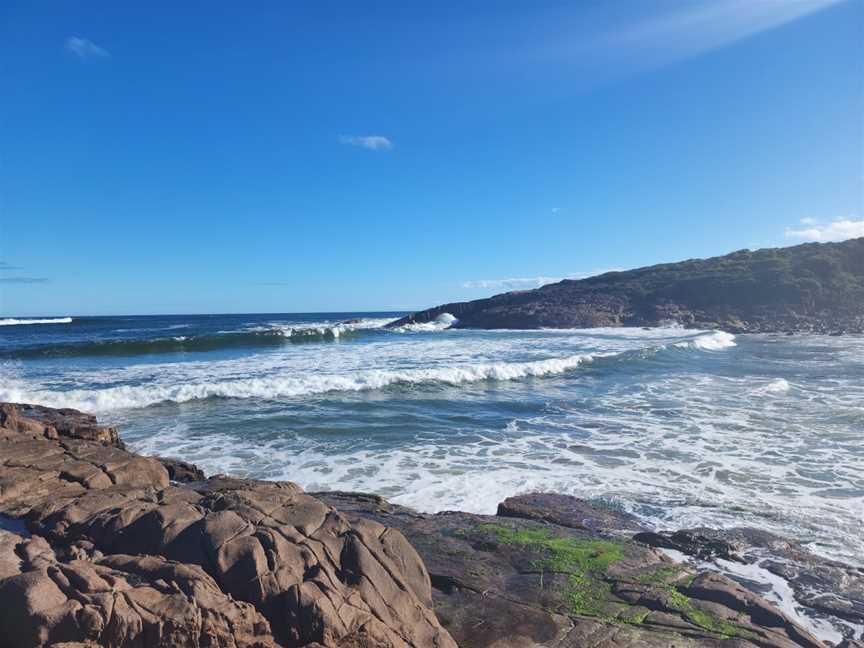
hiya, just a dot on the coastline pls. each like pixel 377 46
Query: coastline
pixel 119 547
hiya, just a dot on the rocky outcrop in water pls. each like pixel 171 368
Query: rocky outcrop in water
pixel 814 287
pixel 99 546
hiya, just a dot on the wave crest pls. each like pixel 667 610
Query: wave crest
pixel 24 322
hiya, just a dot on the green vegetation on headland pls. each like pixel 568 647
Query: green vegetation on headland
pixel 811 287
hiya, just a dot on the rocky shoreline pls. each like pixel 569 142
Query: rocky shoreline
pixel 102 547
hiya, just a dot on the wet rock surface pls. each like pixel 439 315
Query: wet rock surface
pixel 570 576
pixel 825 586
pixel 101 547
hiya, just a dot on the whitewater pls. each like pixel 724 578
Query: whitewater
pixel 680 427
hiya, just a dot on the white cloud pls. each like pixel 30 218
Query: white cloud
pixel 371 142
pixel 85 49
pixel 838 230
pixel 523 283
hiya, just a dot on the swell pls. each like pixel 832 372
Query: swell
pixel 266 337
pixel 274 387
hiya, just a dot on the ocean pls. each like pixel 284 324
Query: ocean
pixel 680 427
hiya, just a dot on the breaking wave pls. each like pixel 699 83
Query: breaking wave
pixel 275 387
pixel 22 322
pixel 441 323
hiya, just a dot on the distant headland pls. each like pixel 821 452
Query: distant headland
pixel 815 287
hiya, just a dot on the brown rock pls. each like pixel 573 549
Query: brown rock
pixel 568 511
pixel 182 472
pixel 51 423
pixel 121 557
pixel 513 582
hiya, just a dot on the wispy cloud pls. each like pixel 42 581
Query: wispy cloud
pixel 24 280
pixel 371 142
pixel 4 267
pixel 838 230
pixel 703 26
pixel 523 283
pixel 85 49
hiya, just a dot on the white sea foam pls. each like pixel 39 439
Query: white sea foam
pixel 778 386
pixel 55 320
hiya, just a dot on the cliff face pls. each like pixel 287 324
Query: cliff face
pixel 812 287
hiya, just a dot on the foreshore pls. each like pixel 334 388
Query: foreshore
pixel 102 547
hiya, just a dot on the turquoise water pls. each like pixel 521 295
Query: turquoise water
pixel 680 427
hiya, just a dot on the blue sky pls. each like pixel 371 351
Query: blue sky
pixel 218 157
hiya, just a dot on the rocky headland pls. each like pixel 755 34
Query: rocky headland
pixel 814 288
pixel 103 547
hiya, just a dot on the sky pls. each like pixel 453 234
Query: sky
pixel 311 157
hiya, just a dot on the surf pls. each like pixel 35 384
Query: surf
pixel 265 382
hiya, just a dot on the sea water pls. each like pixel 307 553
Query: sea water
pixel 680 427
